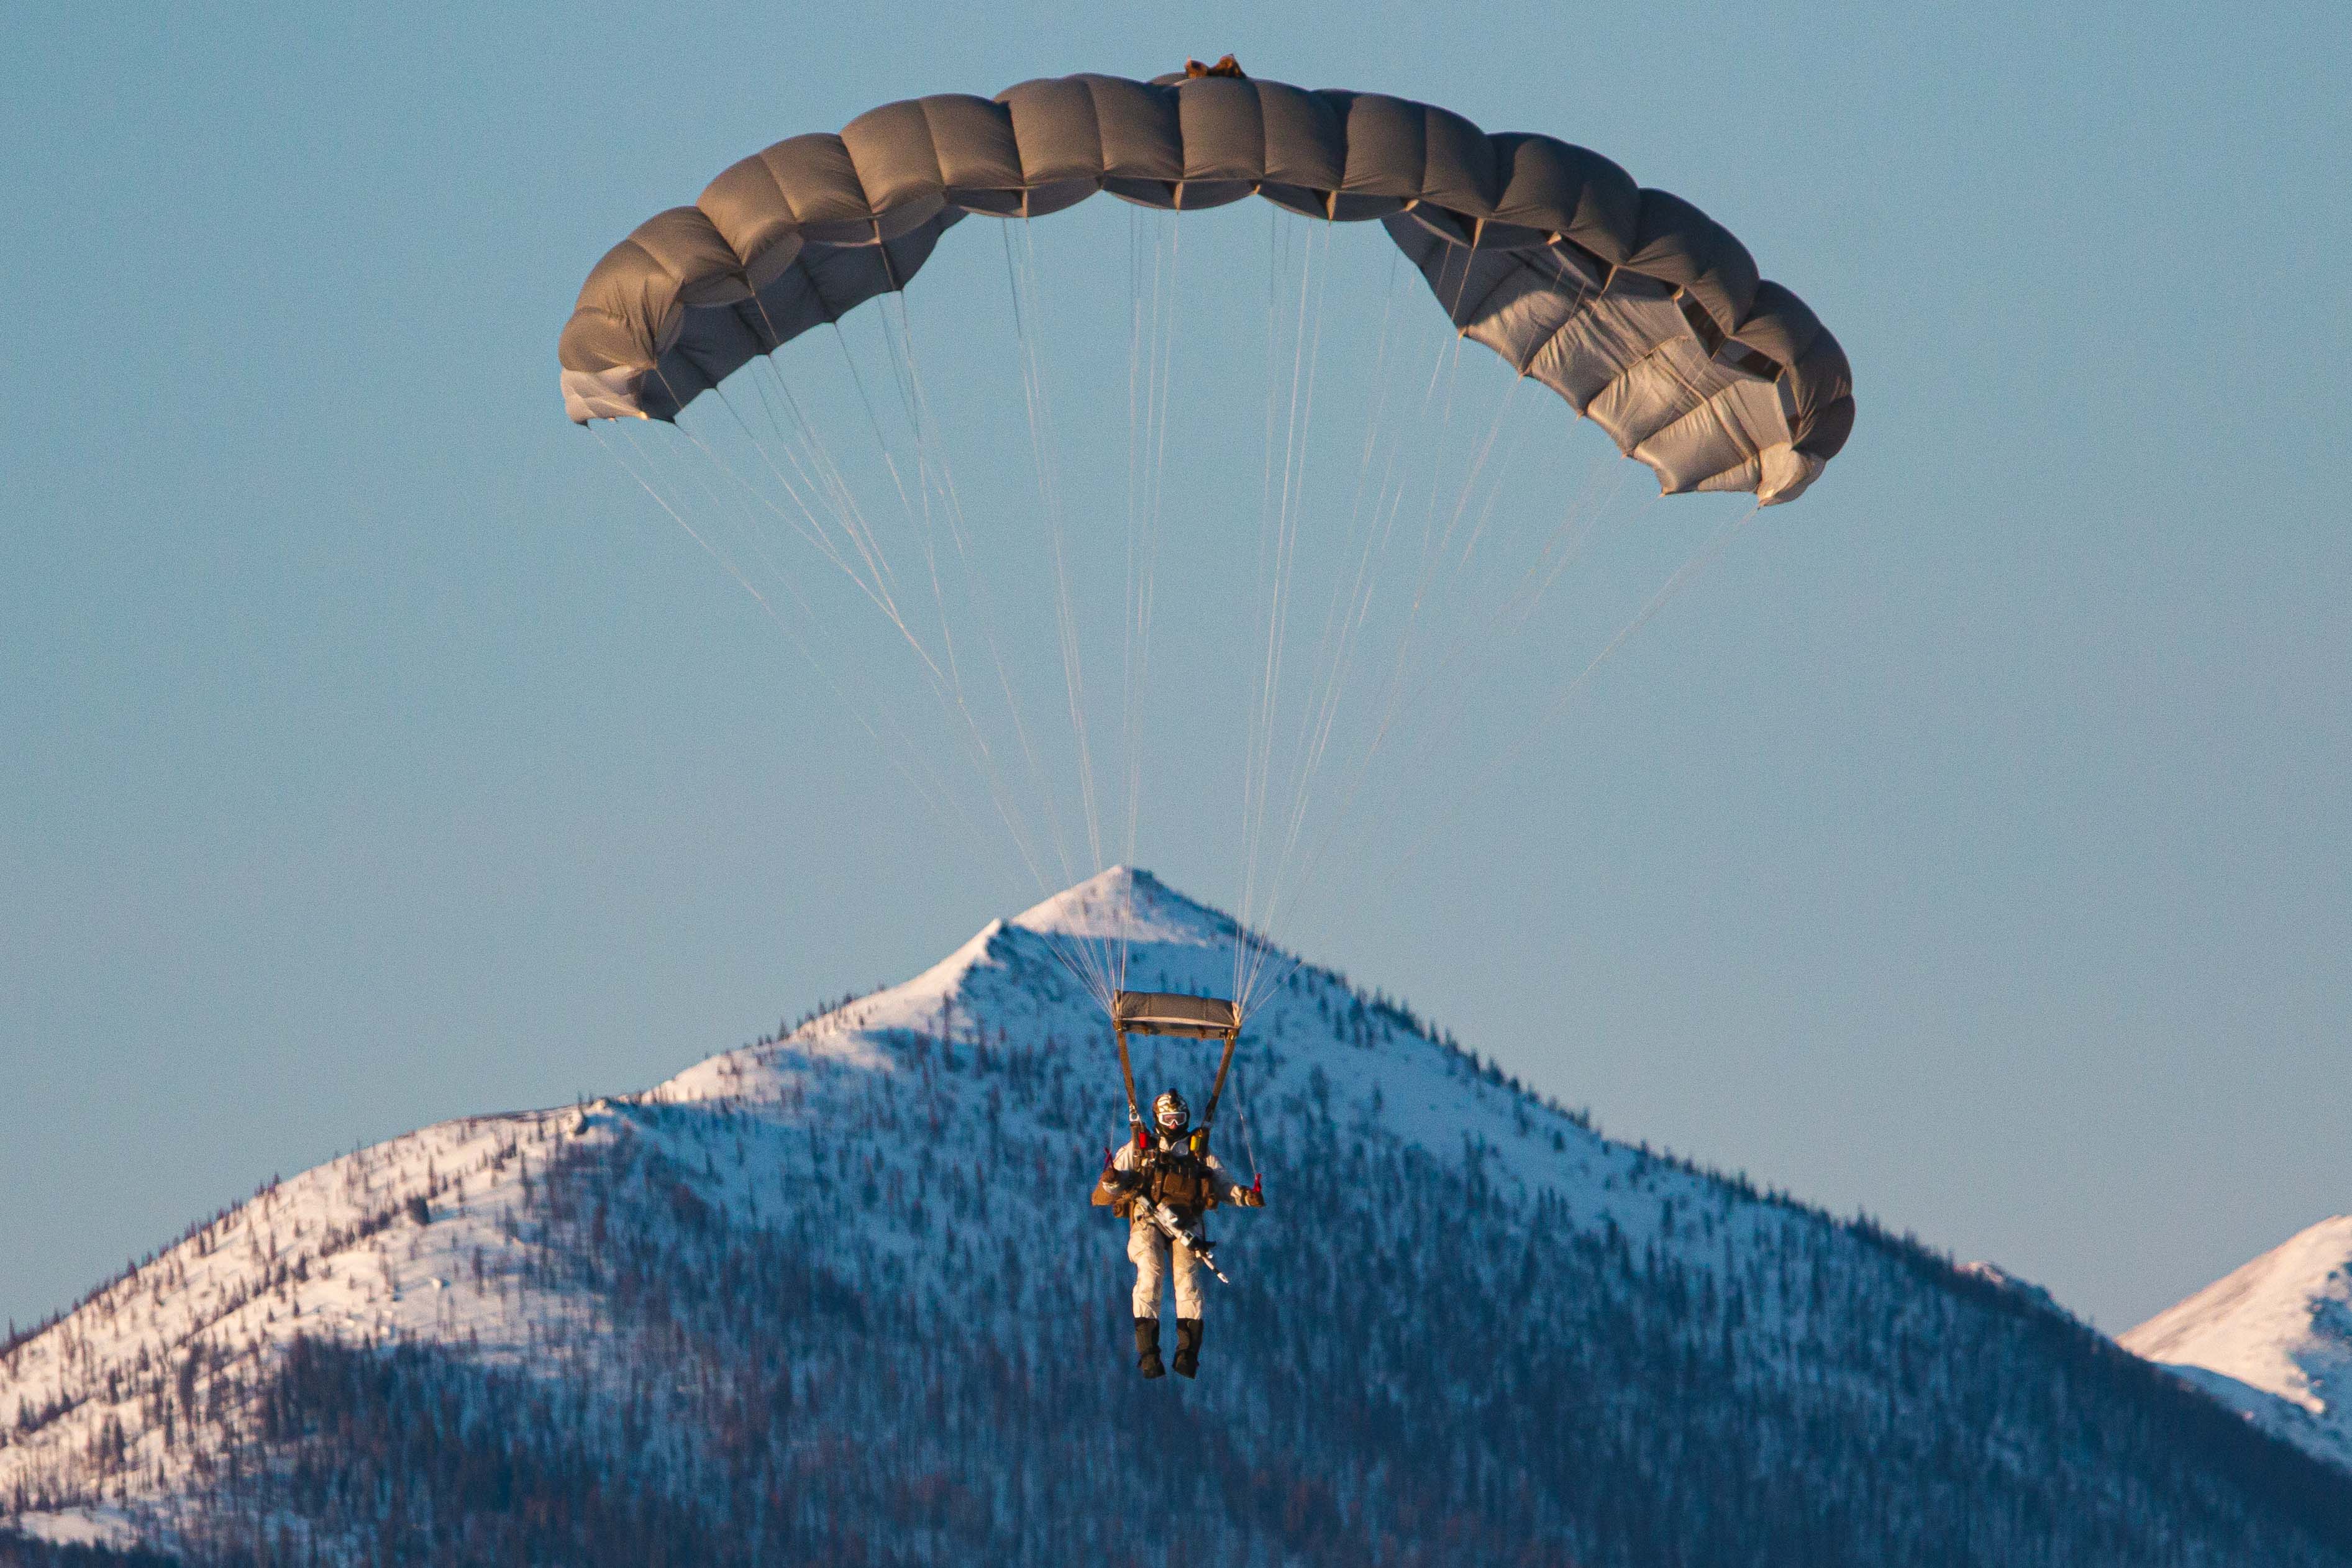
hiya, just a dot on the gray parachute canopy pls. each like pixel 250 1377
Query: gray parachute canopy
pixel 1635 307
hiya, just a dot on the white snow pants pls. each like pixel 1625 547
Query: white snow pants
pixel 1145 1248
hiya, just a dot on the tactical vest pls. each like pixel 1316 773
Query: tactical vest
pixel 1178 1179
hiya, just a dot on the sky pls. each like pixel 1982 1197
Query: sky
pixel 1966 843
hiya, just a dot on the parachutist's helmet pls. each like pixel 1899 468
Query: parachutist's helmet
pixel 1171 1112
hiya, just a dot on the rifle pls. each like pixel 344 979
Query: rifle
pixel 1188 1236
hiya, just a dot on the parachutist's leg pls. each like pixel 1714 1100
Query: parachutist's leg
pixel 1143 1251
pixel 1188 1308
pixel 1187 1281
pixel 1188 1347
pixel 1147 1349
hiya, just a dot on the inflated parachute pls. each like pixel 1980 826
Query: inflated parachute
pixel 1635 307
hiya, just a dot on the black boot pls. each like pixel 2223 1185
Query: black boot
pixel 1188 1347
pixel 1147 1349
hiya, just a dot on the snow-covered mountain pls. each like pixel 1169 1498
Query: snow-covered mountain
pixel 2273 1340
pixel 838 1297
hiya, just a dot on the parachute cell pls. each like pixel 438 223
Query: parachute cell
pixel 1636 308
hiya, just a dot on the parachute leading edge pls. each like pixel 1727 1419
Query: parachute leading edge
pixel 1638 309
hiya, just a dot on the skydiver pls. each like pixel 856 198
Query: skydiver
pixel 1167 1170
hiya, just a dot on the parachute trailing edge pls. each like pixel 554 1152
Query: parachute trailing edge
pixel 1637 308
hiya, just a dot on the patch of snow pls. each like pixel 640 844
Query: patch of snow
pixel 107 1526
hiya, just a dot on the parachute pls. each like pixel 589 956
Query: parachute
pixel 1638 310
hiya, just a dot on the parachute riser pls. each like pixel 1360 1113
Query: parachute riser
pixel 1241 1109
pixel 1127 1071
pixel 1216 1090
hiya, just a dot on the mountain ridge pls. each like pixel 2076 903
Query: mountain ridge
pixel 837 1296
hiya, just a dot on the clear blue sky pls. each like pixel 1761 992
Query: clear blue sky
pixel 1970 844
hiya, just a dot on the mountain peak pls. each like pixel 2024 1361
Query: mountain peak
pixel 1124 903
pixel 1044 974
pixel 2272 1339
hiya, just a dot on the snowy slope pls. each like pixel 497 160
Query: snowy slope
pixel 838 1295
pixel 2273 1340
pixel 335 1252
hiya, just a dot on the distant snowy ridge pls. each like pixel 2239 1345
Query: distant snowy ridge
pixel 2024 1290
pixel 2271 1340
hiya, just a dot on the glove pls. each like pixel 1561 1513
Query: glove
pixel 1118 1181
pixel 1249 1197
